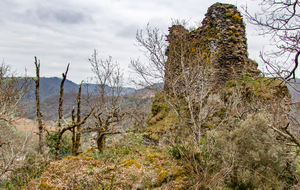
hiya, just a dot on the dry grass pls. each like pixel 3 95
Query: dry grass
pixel 122 167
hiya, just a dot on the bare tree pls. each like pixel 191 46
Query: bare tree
pixel 281 20
pixel 13 90
pixel 154 46
pixel 137 111
pixel 38 108
pixel 107 99
pixel 76 132
pixel 71 127
pixel 13 146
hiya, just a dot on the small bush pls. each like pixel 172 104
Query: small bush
pixel 66 144
pixel 184 152
pixel 32 168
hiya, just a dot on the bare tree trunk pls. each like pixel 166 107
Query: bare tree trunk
pixel 70 127
pixel 61 95
pixel 78 132
pixel 60 110
pixel 100 142
pixel 38 110
pixel 73 133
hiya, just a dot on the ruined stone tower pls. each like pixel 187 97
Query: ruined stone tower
pixel 219 45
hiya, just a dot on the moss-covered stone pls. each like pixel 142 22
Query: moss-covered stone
pixel 262 88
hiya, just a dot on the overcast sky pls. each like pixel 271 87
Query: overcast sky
pixel 61 32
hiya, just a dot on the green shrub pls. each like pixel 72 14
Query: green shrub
pixel 254 154
pixel 66 144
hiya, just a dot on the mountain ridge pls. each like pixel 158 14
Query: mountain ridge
pixel 51 86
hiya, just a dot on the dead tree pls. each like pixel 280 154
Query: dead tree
pixel 76 128
pixel 38 108
pixel 281 20
pixel 70 127
pixel 13 146
pixel 60 112
pixel 61 97
pixel 103 125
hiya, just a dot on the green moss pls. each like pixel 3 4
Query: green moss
pixel 158 128
pixel 158 104
pixel 162 176
pixel 237 18
pixel 177 172
pixel 152 155
pixel 230 83
pixel 227 14
pixel 126 163
pixel 89 158
pixel 45 186
pixel 262 88
pixel 153 136
pixel 233 38
pixel 155 108
pixel 165 175
pixel 151 158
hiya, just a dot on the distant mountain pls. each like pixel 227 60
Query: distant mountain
pixel 51 86
pixel 49 97
pixel 108 89
pixel 49 106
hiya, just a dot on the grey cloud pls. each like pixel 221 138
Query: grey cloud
pixel 128 31
pixel 63 16
pixel 68 31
